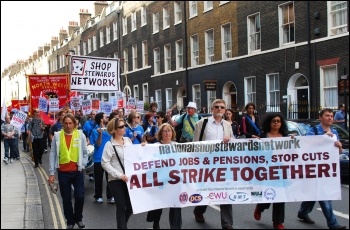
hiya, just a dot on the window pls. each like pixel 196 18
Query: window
pixel 115 30
pixel 193 8
pixel 144 54
pixel 145 92
pixel 136 93
pixel 125 54
pixel 208 5
pixel 143 16
pixel 177 13
pixel 89 45
pixel 287 22
pixel 168 98
pixel 194 50
pixel 166 18
pixel 196 90
pixel 226 41
pixel 209 43
pixel 101 38
pixel 250 89
pixel 94 43
pixel 134 57
pixel 125 25
pixel 133 21
pixel 79 51
pixel 254 38
pixel 159 99
pixel 179 55
pixel 108 35
pixel 211 98
pixel 338 19
pixel 84 48
pixel 156 54
pixel 329 90
pixel 167 58
pixel 156 22
pixel 273 92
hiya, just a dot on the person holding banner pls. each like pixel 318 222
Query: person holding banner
pixel 324 128
pixel 215 128
pixel 36 130
pixel 273 126
pixel 113 163
pixel 250 126
pixel 165 135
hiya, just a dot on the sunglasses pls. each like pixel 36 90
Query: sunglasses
pixel 119 127
pixel 122 126
pixel 275 121
pixel 219 107
pixel 157 117
pixel 137 117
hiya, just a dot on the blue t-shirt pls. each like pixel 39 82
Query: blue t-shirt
pixel 340 115
pixel 320 131
pixel 152 133
pixel 139 130
pixel 88 127
pixel 99 149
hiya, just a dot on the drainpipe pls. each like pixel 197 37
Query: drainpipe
pixel 186 59
pixel 312 87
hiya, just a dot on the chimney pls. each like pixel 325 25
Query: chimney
pixel 54 41
pixel 46 47
pixel 62 35
pixel 84 16
pixel 35 56
pixel 71 27
pixel 40 51
pixel 99 5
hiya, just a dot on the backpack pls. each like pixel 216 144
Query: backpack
pixel 178 128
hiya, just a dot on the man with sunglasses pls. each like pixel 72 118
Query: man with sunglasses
pixel 188 121
pixel 216 128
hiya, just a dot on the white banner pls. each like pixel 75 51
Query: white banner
pixel 242 171
pixel 94 74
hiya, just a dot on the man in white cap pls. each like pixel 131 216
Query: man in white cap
pixel 187 120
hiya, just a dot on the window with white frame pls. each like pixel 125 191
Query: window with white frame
pixel 194 50
pixel 226 45
pixel 196 90
pixel 115 30
pixel 167 58
pixel 287 20
pixel 254 32
pixel 136 93
pixel 156 54
pixel 145 92
pixel 179 54
pixel 177 13
pixel 250 89
pixel 193 8
pixel 273 92
pixel 89 45
pixel 338 17
pixel 134 57
pixel 101 38
pixel 209 46
pixel 108 35
pixel 125 25
pixel 94 43
pixel 144 54
pixel 211 97
pixel 166 17
pixel 156 22
pixel 329 87
pixel 208 5
pixel 133 21
pixel 84 48
pixel 125 54
pixel 168 98
pixel 158 99
pixel 143 16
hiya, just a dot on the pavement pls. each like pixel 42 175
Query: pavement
pixel 21 206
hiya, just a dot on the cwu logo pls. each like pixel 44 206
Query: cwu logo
pixel 270 194
pixel 217 196
pixel 183 197
pixel 195 198
pixel 239 196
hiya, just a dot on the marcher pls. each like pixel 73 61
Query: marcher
pixel 230 117
pixel 152 109
pixel 69 156
pixel 273 126
pixel 166 135
pixel 149 121
pixel 324 128
pixel 24 135
pixel 151 136
pixel 36 130
pixel 10 134
pixel 113 163
pixel 215 128
pixel 188 121
pixel 134 130
pixel 339 117
pixel 99 137
pixel 120 112
pixel 250 124
pixel 203 110
pixel 89 125
pixel 58 124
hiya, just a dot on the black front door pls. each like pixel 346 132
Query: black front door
pixel 303 104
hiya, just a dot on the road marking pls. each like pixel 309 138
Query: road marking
pixel 215 207
pixel 345 216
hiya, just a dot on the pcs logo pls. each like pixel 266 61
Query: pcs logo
pixel 195 198
pixel 239 196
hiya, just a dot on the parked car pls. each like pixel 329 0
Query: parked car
pixel 300 128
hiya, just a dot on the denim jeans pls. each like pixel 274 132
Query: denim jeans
pixel 11 149
pixel 66 180
pixel 326 206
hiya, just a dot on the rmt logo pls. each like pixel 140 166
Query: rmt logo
pixel 195 198
pixel 183 197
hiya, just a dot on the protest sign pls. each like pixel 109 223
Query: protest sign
pixel 86 107
pixel 95 104
pixel 18 119
pixel 42 104
pixel 54 105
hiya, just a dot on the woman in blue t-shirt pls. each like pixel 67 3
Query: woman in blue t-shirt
pixel 134 130
pixel 151 136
